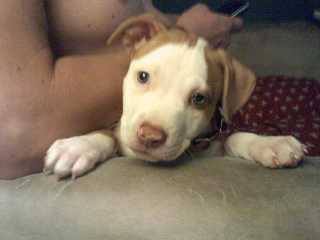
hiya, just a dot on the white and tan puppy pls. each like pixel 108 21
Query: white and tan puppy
pixel 170 93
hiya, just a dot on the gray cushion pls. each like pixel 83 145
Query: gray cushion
pixel 201 198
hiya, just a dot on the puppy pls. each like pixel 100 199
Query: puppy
pixel 171 91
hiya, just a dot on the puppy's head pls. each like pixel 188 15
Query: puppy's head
pixel 172 88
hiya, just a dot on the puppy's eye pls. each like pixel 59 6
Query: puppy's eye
pixel 143 77
pixel 199 99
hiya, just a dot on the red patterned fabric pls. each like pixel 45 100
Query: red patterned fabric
pixel 283 105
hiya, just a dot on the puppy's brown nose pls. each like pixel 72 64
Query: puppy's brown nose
pixel 151 136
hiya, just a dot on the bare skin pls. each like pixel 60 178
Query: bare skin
pixel 44 97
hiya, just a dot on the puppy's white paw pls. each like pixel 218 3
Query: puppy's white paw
pixel 277 152
pixel 74 156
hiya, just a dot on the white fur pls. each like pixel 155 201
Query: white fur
pixel 77 155
pixel 270 151
pixel 175 70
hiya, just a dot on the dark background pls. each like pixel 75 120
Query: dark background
pixel 274 10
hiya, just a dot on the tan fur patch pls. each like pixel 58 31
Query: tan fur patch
pixel 175 35
pixel 214 81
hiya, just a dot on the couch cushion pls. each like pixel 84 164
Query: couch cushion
pixel 204 198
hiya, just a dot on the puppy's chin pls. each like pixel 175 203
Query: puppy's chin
pixel 160 155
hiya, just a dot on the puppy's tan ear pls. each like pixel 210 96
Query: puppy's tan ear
pixel 136 30
pixel 238 82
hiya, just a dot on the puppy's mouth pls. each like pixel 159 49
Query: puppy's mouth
pixel 166 154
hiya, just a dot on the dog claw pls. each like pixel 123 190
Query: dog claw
pixel 47 171
pixel 60 178
pixel 275 161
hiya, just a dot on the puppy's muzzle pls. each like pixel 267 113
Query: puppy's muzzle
pixel 151 136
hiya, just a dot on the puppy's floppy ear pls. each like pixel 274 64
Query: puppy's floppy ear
pixel 238 82
pixel 136 30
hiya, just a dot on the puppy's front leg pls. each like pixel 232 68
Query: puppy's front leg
pixel 77 155
pixel 270 151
